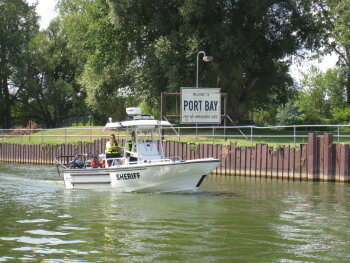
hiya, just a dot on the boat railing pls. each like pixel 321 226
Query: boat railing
pixel 161 160
pixel 113 162
pixel 110 162
pixel 131 153
pixel 79 161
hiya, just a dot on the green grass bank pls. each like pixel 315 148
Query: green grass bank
pixel 242 137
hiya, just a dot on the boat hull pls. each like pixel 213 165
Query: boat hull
pixel 148 177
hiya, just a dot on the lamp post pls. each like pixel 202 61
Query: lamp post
pixel 205 59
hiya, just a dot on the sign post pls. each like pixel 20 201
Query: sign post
pixel 200 105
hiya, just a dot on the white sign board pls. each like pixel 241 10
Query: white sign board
pixel 200 105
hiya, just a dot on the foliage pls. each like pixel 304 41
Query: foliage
pixel 104 75
pixel 323 98
pixel 311 101
pixel 18 24
pixel 79 124
pixel 264 117
pixel 341 115
pixel 288 114
pixel 101 56
pixel 334 15
pixel 29 129
pixel 53 93
pixel 146 108
pixel 248 39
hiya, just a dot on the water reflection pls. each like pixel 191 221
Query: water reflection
pixel 312 219
pixel 232 219
pixel 314 223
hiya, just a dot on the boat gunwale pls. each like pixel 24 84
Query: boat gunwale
pixel 139 166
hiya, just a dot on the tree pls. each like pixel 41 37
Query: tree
pixel 334 15
pixel 52 94
pixel 312 101
pixel 105 74
pixel 18 24
pixel 250 41
pixel 288 114
pixel 323 98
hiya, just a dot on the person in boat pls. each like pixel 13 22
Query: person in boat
pixel 129 147
pixel 112 148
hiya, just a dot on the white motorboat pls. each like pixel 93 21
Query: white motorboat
pixel 144 168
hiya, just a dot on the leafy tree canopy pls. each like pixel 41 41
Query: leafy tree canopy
pixel 18 24
pixel 334 16
pixel 102 48
pixel 249 40
pixel 322 99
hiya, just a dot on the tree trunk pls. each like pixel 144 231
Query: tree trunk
pixel 347 83
pixel 236 110
pixel 5 118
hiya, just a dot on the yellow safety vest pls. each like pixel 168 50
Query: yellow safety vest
pixel 129 146
pixel 109 147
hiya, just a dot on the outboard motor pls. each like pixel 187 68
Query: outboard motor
pixel 76 164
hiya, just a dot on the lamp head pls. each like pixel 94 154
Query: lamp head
pixel 208 58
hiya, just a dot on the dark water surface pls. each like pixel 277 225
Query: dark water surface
pixel 232 219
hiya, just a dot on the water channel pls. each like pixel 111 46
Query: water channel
pixel 231 219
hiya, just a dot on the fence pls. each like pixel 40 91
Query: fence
pixel 319 159
pixel 249 133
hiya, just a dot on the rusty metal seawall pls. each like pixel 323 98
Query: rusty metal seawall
pixel 320 159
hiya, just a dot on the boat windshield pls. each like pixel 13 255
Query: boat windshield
pixel 143 141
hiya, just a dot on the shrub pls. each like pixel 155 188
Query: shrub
pixel 341 115
pixel 31 128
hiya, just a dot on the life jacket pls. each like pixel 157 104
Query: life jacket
pixel 129 146
pixel 109 145
pixel 94 163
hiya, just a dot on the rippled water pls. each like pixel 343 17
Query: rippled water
pixel 232 219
